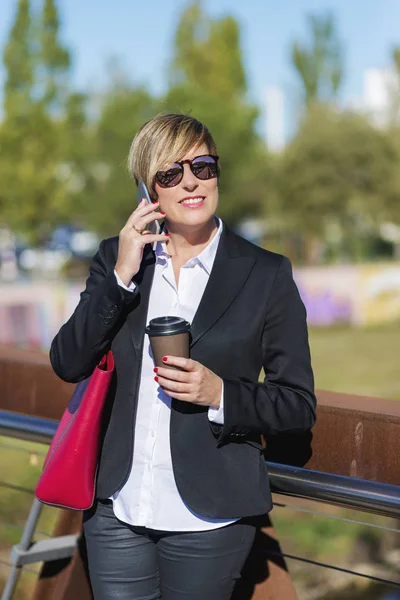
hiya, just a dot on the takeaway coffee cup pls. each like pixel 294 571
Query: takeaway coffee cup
pixel 168 336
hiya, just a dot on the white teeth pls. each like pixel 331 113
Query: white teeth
pixel 192 201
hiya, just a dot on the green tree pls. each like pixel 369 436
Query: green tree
pixel 337 172
pixel 54 58
pixel 76 148
pixel 392 198
pixel 319 63
pixel 393 90
pixel 207 54
pixel 33 193
pixel 17 59
pixel 33 197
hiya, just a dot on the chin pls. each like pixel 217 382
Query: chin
pixel 198 220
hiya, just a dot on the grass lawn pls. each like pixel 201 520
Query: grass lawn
pixel 357 361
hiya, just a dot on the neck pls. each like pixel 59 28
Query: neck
pixel 189 242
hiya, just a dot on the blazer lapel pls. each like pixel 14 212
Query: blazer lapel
pixel 228 275
pixel 137 318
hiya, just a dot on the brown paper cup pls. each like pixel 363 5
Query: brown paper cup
pixel 169 345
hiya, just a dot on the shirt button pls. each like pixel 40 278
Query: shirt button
pixel 153 434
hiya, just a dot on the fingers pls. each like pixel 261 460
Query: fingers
pixel 174 387
pixel 175 382
pixel 184 363
pixel 172 374
pixel 149 238
pixel 143 209
pixel 146 219
pixel 143 216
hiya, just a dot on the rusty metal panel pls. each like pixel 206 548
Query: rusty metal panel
pixel 357 436
pixel 29 385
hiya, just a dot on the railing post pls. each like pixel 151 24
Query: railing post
pixel 65 579
pixel 23 546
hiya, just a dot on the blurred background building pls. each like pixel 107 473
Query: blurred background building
pixel 273 112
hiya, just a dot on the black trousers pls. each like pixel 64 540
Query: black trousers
pixel 136 563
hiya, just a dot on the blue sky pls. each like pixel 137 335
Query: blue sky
pixel 140 33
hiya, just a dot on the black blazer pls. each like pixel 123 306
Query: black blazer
pixel 250 316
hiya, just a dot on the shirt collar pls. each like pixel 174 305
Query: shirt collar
pixel 205 258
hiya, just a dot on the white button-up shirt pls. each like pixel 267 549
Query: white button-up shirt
pixel 149 497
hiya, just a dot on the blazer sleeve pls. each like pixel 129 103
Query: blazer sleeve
pixel 87 335
pixel 285 401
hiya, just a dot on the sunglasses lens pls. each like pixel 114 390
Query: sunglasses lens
pixel 205 167
pixel 170 177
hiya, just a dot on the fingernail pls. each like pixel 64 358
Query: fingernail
pixel 155 369
pixel 155 378
pixel 163 213
pixel 167 234
pixel 165 358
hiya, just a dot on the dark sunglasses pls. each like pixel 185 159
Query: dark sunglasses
pixel 203 167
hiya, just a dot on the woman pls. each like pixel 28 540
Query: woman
pixel 181 470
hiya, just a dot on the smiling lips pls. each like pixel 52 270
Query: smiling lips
pixel 194 202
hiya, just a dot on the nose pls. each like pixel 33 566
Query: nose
pixel 189 181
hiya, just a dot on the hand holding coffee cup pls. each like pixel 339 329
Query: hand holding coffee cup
pixel 178 375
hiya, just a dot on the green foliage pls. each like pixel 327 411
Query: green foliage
pixel 17 59
pixel 33 196
pixel 338 168
pixel 319 64
pixel 54 59
pixel 207 54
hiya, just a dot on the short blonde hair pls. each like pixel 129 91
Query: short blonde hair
pixel 161 141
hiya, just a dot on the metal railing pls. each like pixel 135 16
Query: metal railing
pixel 359 494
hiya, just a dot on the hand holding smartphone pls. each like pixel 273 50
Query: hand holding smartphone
pixel 143 219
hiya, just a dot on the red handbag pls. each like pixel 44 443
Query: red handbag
pixel 68 479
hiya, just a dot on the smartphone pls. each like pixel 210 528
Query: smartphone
pixel 143 192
